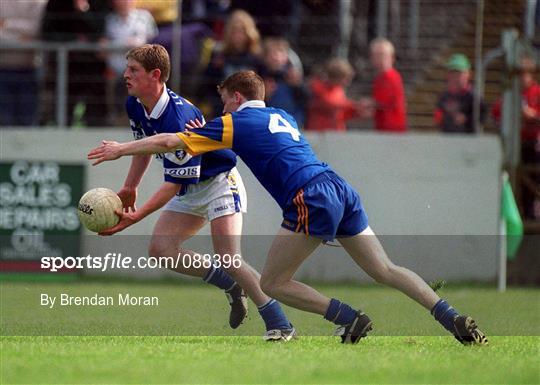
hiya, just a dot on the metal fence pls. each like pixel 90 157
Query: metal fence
pixel 61 50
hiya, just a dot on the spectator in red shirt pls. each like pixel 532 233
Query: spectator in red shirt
pixel 530 105
pixel 530 134
pixel 329 108
pixel 388 92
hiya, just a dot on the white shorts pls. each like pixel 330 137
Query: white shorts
pixel 221 195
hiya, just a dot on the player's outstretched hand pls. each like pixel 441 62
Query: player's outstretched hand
pixel 109 150
pixel 194 124
pixel 128 196
pixel 126 220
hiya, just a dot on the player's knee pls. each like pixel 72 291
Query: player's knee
pixel 383 274
pixel 158 249
pixel 154 249
pixel 269 286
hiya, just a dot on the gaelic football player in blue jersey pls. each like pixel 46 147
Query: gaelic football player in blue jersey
pixel 318 205
pixel 196 189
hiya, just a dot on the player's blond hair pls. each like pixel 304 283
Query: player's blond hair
pixel 247 83
pixel 151 57
pixel 244 19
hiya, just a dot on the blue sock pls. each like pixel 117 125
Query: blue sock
pixel 273 316
pixel 340 313
pixel 445 314
pixel 219 278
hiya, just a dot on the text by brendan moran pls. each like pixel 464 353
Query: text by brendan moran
pixel 122 299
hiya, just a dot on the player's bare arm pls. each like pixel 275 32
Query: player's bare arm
pixel 156 201
pixel 128 192
pixel 111 150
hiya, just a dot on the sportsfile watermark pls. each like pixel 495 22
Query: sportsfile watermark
pixel 120 286
pixel 117 261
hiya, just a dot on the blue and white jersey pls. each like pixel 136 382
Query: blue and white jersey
pixel 269 143
pixel 170 115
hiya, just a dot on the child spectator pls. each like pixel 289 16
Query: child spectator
pixel 283 82
pixel 388 92
pixel 330 108
pixel 454 112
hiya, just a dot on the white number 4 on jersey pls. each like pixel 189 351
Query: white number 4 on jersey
pixel 279 124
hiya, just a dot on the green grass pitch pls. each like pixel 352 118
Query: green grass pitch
pixel 186 339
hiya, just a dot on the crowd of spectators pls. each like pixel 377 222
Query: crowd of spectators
pixel 217 39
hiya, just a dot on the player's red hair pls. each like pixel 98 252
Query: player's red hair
pixel 247 83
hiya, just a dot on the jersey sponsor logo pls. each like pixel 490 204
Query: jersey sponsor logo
pixel 179 157
pixel 184 172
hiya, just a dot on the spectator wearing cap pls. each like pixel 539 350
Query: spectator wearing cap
pixel 454 111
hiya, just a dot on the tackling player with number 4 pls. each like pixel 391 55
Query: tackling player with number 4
pixel 196 189
pixel 318 205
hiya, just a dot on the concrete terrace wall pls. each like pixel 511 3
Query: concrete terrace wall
pixel 434 199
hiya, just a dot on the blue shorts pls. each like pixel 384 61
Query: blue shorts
pixel 326 207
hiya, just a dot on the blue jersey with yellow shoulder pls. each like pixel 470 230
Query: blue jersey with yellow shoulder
pixel 170 114
pixel 268 141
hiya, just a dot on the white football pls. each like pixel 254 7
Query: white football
pixel 96 209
